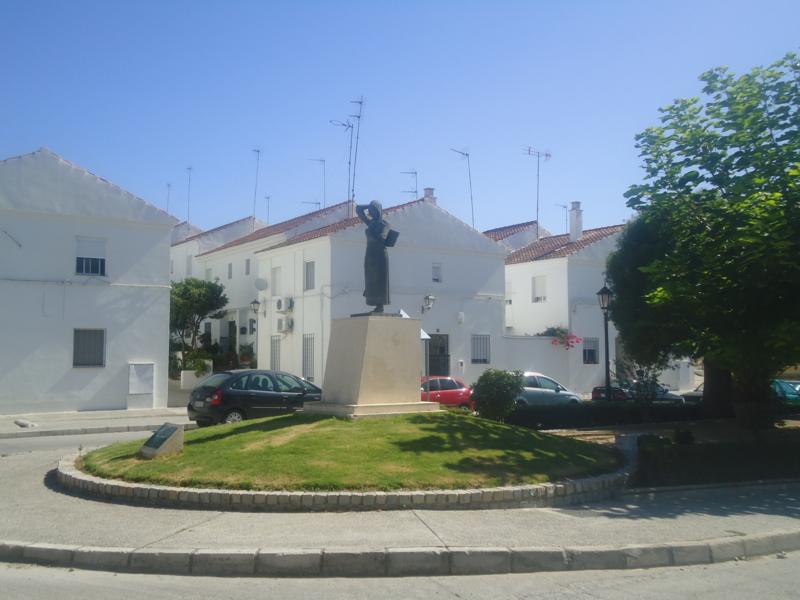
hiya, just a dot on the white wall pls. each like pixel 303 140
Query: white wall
pixel 44 300
pixel 526 317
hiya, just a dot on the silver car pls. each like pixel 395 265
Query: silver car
pixel 541 390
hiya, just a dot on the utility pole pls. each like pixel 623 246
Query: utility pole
pixel 469 174
pixel 255 188
pixel 189 194
pixel 360 103
pixel 414 192
pixel 530 151
pixel 324 179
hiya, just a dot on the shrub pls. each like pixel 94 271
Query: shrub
pixel 494 393
pixel 598 414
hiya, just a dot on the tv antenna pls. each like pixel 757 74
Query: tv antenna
pixel 267 198
pixel 360 103
pixel 469 174
pixel 414 192
pixel 566 217
pixel 169 191
pixel 347 126
pixel 310 202
pixel 530 151
pixel 188 193
pixel 324 184
pixel 255 188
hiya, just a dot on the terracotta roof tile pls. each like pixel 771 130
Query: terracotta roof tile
pixel 334 227
pixel 270 230
pixel 501 233
pixel 557 246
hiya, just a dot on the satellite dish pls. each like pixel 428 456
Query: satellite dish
pixel 261 284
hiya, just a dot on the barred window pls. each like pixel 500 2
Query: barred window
pixel 230 270
pixel 591 351
pixel 89 348
pixel 90 256
pixel 308 356
pixel 275 353
pixel 480 350
pixel 436 273
pixel 189 259
pixel 247 266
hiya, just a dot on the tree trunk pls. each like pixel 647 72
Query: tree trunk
pixel 717 391
pixel 753 401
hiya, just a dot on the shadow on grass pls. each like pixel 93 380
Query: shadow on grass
pixel 512 453
pixel 268 424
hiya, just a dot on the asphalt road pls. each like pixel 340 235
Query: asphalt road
pixel 65 442
pixel 767 577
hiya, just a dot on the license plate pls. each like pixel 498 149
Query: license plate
pixel 198 403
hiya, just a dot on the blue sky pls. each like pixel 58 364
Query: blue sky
pixel 137 91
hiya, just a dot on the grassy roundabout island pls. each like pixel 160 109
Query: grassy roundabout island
pixel 306 452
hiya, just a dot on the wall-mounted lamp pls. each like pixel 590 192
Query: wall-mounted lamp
pixel 427 303
pixel 254 306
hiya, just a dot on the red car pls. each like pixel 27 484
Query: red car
pixel 448 391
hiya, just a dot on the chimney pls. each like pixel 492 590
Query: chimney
pixel 575 222
pixel 351 209
pixel 429 197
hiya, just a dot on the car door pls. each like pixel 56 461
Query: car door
pixel 530 390
pixel 547 390
pixel 430 390
pixel 237 395
pixel 451 392
pixel 290 390
pixel 263 396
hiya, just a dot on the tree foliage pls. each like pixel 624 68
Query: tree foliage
pixel 711 265
pixel 191 301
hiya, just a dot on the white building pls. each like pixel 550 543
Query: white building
pixel 317 276
pixel 514 237
pixel 85 288
pixel 553 283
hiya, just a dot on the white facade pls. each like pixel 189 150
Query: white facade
pixel 561 292
pixel 74 340
pixel 432 245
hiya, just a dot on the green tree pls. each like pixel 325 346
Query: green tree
pixel 718 228
pixel 191 301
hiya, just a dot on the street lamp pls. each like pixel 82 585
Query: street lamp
pixel 427 303
pixel 254 306
pixel 604 296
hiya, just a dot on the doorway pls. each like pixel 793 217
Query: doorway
pixel 439 354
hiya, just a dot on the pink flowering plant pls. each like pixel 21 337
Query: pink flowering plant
pixel 562 337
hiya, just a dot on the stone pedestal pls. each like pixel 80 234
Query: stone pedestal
pixel 372 368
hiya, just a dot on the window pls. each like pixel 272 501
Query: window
pixel 530 382
pixel 209 274
pixel 247 266
pixel 252 326
pixel 308 275
pixel 480 349
pixel 308 356
pixel 287 383
pixel 240 384
pixel 90 256
pixel 259 383
pixel 275 277
pixel 591 351
pixel 436 272
pixel 230 270
pixel 207 327
pixel 539 289
pixel 449 384
pixel 275 353
pixel 546 383
pixel 189 265
pixel 89 348
pixel 432 385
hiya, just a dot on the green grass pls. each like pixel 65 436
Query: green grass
pixel 305 452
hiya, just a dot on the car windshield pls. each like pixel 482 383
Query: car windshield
pixel 784 387
pixel 215 380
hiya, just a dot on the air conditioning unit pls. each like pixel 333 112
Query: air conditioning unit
pixel 284 304
pixel 285 324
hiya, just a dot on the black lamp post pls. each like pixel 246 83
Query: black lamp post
pixel 604 297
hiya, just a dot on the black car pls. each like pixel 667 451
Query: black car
pixel 232 396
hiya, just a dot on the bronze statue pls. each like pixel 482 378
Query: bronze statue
pixel 376 259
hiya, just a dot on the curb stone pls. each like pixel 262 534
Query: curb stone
pixel 396 562
pixel 86 430
pixel 522 496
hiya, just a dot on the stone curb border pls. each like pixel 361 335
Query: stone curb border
pixel 649 491
pixel 86 430
pixel 565 493
pixel 396 562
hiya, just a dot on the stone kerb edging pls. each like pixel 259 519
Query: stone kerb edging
pixel 565 493
pixel 397 562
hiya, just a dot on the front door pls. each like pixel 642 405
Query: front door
pixel 439 355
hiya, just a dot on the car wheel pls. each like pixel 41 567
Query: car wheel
pixel 234 416
pixel 464 407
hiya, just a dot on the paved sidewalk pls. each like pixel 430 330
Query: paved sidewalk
pixel 652 530
pixel 101 421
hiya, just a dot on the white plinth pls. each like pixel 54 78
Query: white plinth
pixel 372 368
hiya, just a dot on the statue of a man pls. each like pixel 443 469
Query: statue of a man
pixel 376 259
